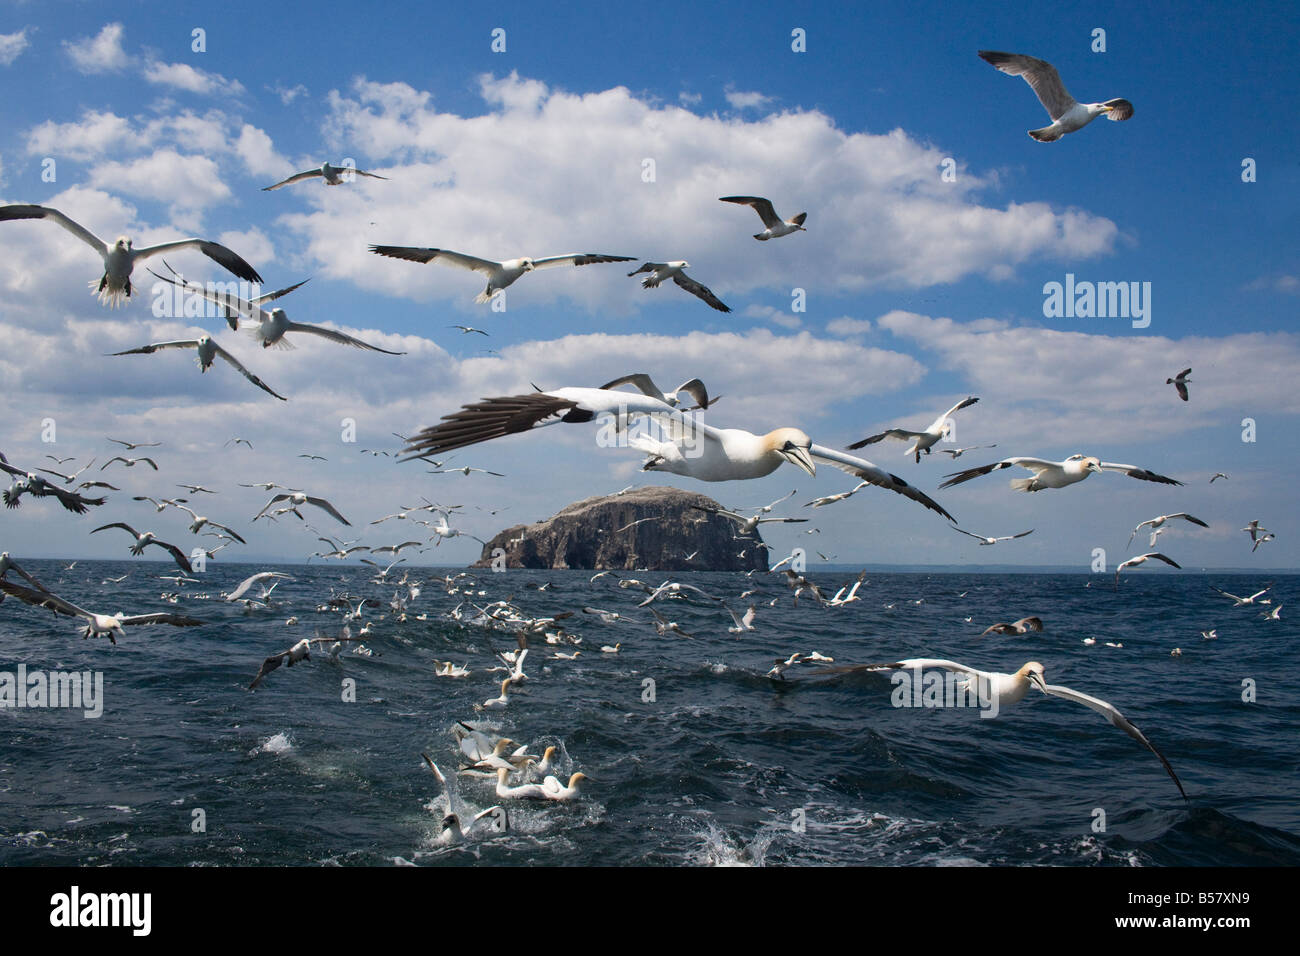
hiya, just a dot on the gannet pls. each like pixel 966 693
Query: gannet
pixel 1254 530
pixel 1262 539
pixel 831 499
pixel 208 350
pixel 298 499
pixel 742 624
pixel 611 649
pixel 201 521
pixel 644 384
pixel 776 226
pixel 1181 382
pixel 554 790
pixel 132 446
pixel 467 329
pixel 747 525
pixel 779 667
pixel 1055 474
pixel 1009 689
pixel 120 258
pixel 1159 520
pixel 985 541
pixel 1210 634
pixel 666 627
pixel 196 489
pixel 922 441
pixel 841 598
pixel 1141 559
pixel 1218 474
pixel 1067 113
pixel 30 483
pixel 958 452
pixel 249 581
pixel 659 271
pixel 97 625
pixel 499 274
pixel 332 175
pixel 69 479
pixel 130 462
pixel 527 791
pixel 699 450
pixel 142 541
pixel 1273 615
pixel 1021 626
pixel 448 669
pixel 498 703
pixel 299 652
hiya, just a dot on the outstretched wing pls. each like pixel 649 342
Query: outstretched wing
pixel 19 211
pixel 902 434
pixel 338 337
pixel 246 373
pixel 877 476
pixel 760 205
pixel 1140 473
pixel 444 256
pixel 699 290
pixel 1036 465
pixel 1039 74
pixel 150 349
pixel 295 178
pixel 578 259
pixel 221 255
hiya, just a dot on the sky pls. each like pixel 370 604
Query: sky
pixel 934 226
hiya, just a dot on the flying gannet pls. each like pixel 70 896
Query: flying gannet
pixel 142 541
pixel 30 483
pixel 1055 474
pixel 499 274
pixel 922 441
pixel 1068 115
pixel 299 652
pixel 776 226
pixel 1022 626
pixel 208 350
pixel 693 449
pixel 114 287
pixel 659 271
pixel 1142 559
pixel 985 541
pixel 1159 520
pixel 333 176
pixel 97 625
pixel 297 499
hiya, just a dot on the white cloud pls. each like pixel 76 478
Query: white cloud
pixel 847 325
pixel 288 94
pixel 12 45
pixel 95 134
pixel 101 53
pixel 187 183
pixel 782 317
pixel 182 76
pixel 746 101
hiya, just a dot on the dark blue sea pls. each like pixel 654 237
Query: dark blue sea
pixel 723 766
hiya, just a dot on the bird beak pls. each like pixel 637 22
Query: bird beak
pixel 1037 680
pixel 802 458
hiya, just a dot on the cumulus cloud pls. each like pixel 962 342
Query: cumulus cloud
pixel 101 53
pixel 12 45
pixel 739 100
pixel 182 76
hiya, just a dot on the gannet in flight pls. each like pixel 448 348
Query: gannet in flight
pixel 208 350
pixel 114 287
pixel 644 384
pixel 1011 688
pixel 1181 382
pixel 747 525
pixel 132 446
pixel 1262 539
pixel 922 441
pixel 297 499
pixel 1055 474
pixel 143 541
pixel 107 625
pixel 333 176
pixel 1022 626
pixel 831 499
pixel 201 521
pixel 1159 520
pixel 299 652
pixel 28 482
pixel 698 451
pixel 776 226
pixel 958 452
pixel 1243 601
pixel 1141 559
pixel 248 582
pixel 659 271
pixel 983 540
pixel 1068 115
pixel 130 462
pixel 1254 530
pixel 1218 474
pixel 499 274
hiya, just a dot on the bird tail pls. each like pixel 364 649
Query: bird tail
pixel 482 297
pixel 1023 484
pixel 761 238
pixel 1046 135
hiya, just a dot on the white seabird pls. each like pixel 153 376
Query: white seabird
pixel 97 625
pixel 1055 474
pixel 1068 115
pixel 922 441
pixel 208 350
pixel 644 384
pixel 659 271
pixel 499 274
pixel 1022 626
pixel 297 499
pixel 776 226
pixel 694 449
pixel 333 176
pixel 986 541
pixel 1244 601
pixel 114 287
pixel 299 652
pixel 1142 559
pixel 142 541
pixel 249 581
pixel 1159 520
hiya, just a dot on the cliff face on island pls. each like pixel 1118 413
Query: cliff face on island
pixel 594 534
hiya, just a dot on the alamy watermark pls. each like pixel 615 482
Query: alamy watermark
pixel 915 688
pixel 70 689
pixel 1103 300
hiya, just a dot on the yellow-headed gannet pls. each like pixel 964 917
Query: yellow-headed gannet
pixel 1055 474
pixel 333 176
pixel 659 271
pixel 922 441
pixel 107 625
pixel 208 350
pixel 499 274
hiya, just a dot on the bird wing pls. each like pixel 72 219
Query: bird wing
pixel 902 434
pixel 1039 74
pixel 228 531
pixel 578 259
pixel 269 296
pixel 1141 473
pixel 268 665
pixel 295 178
pixel 362 172
pixel 977 537
pixel 877 476
pixel 42 598
pixel 227 300
pixel 334 336
pixel 695 388
pixel 1029 624
pixel 274 500
pixel 19 211
pixel 444 256
pixel 118 524
pixel 182 560
pixel 1114 716
pixel 647 267
pixel 640 380
pixel 222 256
pixel 1036 465
pixel 700 290
pixel 760 205
pixel 964 403
pixel 1163 557
pixel 149 349
pixel 246 373
pixel 1186 517
pixel 1182 390
pixel 161 617
pixel 325 505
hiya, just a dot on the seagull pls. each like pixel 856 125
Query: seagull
pixel 644 384
pixel 1055 474
pixel 922 441
pixel 1011 688
pixel 701 451
pixel 1142 558
pixel 499 274
pixel 1067 114
pixel 298 499
pixel 1243 601
pixel 333 176
pixel 1159 520
pixel 299 652
pixel 958 452
pixel 107 625
pixel 248 582
pixel 1022 626
pixel 659 271
pixel 114 287
pixel 142 541
pixel 270 326
pixel 1181 382
pixel 776 226
pixel 984 541
pixel 208 350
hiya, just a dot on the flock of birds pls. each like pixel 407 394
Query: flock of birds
pixel 656 422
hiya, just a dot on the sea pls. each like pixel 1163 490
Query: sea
pixel 695 756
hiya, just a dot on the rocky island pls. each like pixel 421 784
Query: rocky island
pixel 656 528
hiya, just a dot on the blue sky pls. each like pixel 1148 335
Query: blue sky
pixel 919 291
